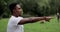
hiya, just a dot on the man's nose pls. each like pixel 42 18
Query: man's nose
pixel 21 10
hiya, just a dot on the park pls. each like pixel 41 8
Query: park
pixel 52 26
pixel 33 8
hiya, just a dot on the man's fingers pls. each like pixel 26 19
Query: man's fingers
pixel 50 17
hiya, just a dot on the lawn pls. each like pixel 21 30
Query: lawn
pixel 52 26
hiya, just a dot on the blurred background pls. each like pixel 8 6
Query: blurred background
pixel 32 8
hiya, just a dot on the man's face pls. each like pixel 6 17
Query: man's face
pixel 18 10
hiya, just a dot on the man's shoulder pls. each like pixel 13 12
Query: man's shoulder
pixel 15 18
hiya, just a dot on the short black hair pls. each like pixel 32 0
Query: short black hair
pixel 12 6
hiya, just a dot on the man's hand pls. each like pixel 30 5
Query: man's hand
pixel 48 18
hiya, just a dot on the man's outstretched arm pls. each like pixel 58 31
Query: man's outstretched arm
pixel 32 20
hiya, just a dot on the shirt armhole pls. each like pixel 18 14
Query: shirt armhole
pixel 17 20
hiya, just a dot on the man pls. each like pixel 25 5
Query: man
pixel 58 16
pixel 16 22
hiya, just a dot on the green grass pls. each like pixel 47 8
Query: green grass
pixel 52 26
pixel 3 25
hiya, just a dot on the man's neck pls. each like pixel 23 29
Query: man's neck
pixel 15 15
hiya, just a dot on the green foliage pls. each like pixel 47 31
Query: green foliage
pixel 31 7
pixel 39 7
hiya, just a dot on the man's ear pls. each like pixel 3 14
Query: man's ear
pixel 14 11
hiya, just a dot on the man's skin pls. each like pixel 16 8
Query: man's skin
pixel 17 12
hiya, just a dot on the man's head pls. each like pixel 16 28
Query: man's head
pixel 15 9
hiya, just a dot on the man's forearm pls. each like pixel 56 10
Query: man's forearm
pixel 36 18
